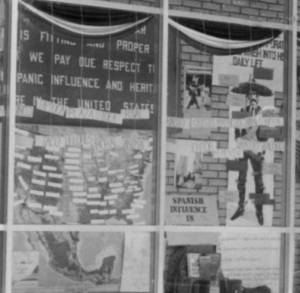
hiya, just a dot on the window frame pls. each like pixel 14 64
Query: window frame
pixel 160 228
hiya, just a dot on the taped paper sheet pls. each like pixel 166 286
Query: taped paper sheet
pixel 252 258
pixel 136 263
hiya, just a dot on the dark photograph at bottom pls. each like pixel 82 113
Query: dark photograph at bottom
pixel 222 263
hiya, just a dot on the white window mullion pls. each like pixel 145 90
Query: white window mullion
pixel 163 80
pixel 13 32
pixel 291 145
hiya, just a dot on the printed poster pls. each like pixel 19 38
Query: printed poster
pixel 81 262
pixel 196 99
pixel 189 161
pixel 253 79
pixel 197 93
pixel 192 210
pixel 136 263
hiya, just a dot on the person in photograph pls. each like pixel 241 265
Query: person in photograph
pixel 205 96
pixel 256 161
pixel 193 93
pixel 203 93
pixel 191 179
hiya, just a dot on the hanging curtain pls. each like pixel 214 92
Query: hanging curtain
pixel 222 39
pixel 107 25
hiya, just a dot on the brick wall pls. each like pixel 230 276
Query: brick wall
pixel 258 10
pixel 214 170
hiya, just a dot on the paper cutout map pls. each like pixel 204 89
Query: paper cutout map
pixel 71 175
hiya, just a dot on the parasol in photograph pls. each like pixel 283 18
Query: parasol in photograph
pixel 252 86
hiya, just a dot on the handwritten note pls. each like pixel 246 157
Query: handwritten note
pixel 236 100
pixel 50 107
pixel 21 110
pixel 135 114
pixel 298 135
pixel 253 258
pixel 244 144
pixel 229 79
pixel 136 263
pixel 175 239
pixel 24 141
pixel 228 196
pixel 230 154
pixel 175 122
pixel 272 168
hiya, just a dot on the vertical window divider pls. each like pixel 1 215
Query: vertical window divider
pixel 161 176
pixel 10 116
pixel 291 145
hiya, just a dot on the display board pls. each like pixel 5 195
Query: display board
pixel 225 135
pixel 71 175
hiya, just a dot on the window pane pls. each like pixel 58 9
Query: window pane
pixel 2 99
pixel 86 117
pixel 297 191
pixel 271 11
pixel 82 262
pixel 213 262
pixel 225 125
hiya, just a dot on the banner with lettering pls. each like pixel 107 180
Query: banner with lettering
pixel 265 65
pixel 79 79
pixel 191 210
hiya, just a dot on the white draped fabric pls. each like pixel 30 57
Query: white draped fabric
pixel 214 42
pixel 84 29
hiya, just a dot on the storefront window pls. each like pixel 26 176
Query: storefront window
pixel 223 262
pixel 227 112
pixel 148 146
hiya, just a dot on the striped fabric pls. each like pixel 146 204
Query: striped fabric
pixel 87 30
pixel 217 45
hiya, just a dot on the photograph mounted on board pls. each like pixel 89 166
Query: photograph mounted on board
pixel 189 171
pixel 189 166
pixel 197 91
